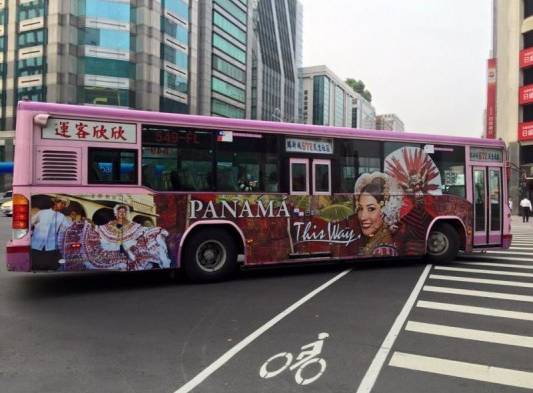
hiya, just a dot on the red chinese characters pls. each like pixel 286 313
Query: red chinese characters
pixel 62 129
pixel 99 132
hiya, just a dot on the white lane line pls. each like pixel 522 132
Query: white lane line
pixel 471 292
pixel 453 368
pixel 368 381
pixel 489 312
pixel 520 248
pixel 519 284
pixel 470 334
pixel 495 264
pixel 510 252
pixel 246 341
pixel 494 258
pixel 484 271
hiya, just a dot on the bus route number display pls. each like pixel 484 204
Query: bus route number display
pixel 490 155
pixel 89 131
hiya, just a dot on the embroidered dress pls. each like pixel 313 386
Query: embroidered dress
pixel 381 244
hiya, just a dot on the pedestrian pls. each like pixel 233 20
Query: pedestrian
pixel 525 204
pixel 511 205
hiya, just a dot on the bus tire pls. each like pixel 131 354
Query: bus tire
pixel 210 255
pixel 443 244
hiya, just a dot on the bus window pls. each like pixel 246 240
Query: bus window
pixel 355 158
pixel 451 163
pixel 112 166
pixel 248 164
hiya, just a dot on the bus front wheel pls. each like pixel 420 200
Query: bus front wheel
pixel 210 255
pixel 442 244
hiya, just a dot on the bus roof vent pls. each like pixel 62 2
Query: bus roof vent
pixel 58 165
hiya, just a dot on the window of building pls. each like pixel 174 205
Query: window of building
pixel 179 8
pixel 228 48
pixel 229 69
pixel 528 8
pixel 174 82
pixel 106 96
pixel 321 100
pixel 233 9
pixel 105 9
pixel 172 106
pixel 248 164
pixel 107 67
pixel 32 9
pixel 32 93
pixel 227 89
pixel 230 28
pixel 110 39
pixel 177 159
pixel 224 109
pixel 112 166
pixel 174 56
pixel 339 107
pixel 32 66
pixel 31 38
pixel 355 157
pixel 175 30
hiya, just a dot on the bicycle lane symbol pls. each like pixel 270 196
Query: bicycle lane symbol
pixel 307 357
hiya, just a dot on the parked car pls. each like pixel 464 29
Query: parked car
pixel 6 196
pixel 7 208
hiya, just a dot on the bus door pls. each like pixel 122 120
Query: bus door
pixel 488 205
pixel 309 179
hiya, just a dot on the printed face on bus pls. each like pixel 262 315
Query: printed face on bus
pixel 121 213
pixel 369 214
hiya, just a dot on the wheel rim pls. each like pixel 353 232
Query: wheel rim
pixel 438 243
pixel 211 255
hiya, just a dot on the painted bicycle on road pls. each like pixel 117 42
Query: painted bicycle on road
pixel 307 357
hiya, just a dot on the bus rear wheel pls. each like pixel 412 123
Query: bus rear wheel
pixel 442 244
pixel 210 255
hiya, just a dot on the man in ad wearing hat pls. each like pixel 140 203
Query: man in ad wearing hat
pixel 46 225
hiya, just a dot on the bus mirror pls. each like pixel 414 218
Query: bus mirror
pixel 41 119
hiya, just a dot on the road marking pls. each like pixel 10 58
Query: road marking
pixel 494 258
pixel 248 340
pixel 510 252
pixel 519 284
pixel 520 248
pixel 495 264
pixel 470 292
pixel 489 312
pixel 470 334
pixel 453 368
pixel 368 381
pixel 484 271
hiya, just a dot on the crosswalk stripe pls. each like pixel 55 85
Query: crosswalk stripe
pixel 470 334
pixel 471 292
pixel 520 248
pixel 495 258
pixel 483 271
pixel 482 281
pixel 489 312
pixel 495 264
pixel 453 368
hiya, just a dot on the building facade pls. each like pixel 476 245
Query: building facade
pixel 363 113
pixel 513 55
pixel 389 121
pixel 326 99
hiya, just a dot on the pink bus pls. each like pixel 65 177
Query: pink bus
pixel 114 189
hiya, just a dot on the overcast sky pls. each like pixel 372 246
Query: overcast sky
pixel 424 60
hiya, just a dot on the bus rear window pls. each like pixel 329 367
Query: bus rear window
pixel 112 166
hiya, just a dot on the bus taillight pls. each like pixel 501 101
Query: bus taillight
pixel 21 210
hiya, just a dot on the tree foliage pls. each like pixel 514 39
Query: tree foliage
pixel 359 87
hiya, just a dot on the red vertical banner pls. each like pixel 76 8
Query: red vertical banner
pixel 491 100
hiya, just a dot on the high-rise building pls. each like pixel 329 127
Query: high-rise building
pixel 513 56
pixel 363 113
pixel 390 122
pixel 182 56
pixel 133 54
pixel 277 55
pixel 327 100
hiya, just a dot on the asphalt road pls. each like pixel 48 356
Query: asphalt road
pixel 391 327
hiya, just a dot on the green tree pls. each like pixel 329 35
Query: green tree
pixel 359 87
